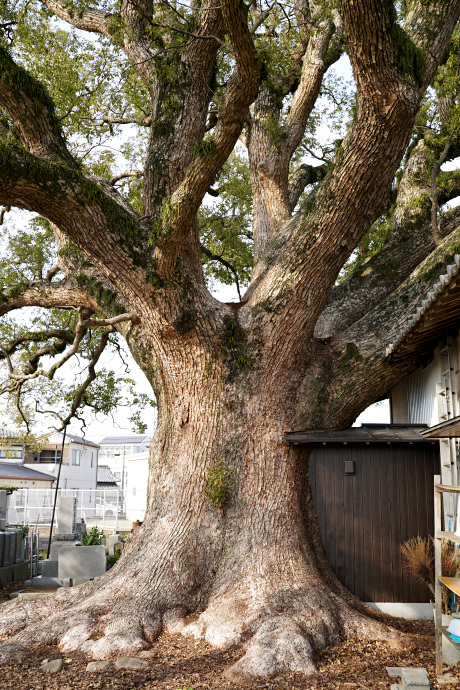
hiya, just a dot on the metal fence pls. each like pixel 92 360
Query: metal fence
pixel 105 508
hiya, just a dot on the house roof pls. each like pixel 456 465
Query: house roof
pixel 10 471
pixel 134 439
pixel 105 475
pixel 448 429
pixel 366 433
pixel 437 314
pixel 8 433
pixel 71 438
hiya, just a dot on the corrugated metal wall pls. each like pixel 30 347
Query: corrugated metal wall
pixel 422 393
pixel 365 517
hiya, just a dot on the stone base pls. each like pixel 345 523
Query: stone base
pixel 51 582
pixel 11 573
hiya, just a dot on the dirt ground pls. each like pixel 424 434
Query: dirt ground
pixel 179 663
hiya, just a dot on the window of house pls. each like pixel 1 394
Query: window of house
pixel 91 459
pixel 76 457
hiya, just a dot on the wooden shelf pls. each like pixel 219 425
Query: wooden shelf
pixel 443 629
pixel 451 536
pixel 449 489
pixel 452 583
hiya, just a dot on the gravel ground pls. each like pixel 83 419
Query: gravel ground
pixel 179 663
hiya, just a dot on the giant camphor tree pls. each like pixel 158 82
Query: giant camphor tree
pixel 229 550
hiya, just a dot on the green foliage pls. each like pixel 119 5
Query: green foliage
pixel 111 560
pixel 9 489
pixel 205 147
pixel 93 537
pixel 225 225
pixel 217 485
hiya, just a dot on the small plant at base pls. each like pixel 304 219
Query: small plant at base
pixel 93 537
pixel 216 487
pixel 111 560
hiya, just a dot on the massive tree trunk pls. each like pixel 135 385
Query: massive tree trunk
pixel 230 550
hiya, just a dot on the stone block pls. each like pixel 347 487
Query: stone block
pixel 98 666
pixel 56 546
pixel 131 662
pixel 49 568
pixel 9 548
pixel 67 514
pixel 52 666
pixel 3 508
pixel 82 562
pixel 414 678
pixel 20 545
pixel 118 547
pixel 113 539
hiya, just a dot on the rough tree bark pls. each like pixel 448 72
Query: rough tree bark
pixel 229 550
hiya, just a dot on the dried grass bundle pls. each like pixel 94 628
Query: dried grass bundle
pixel 418 559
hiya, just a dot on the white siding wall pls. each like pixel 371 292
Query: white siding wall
pixel 433 398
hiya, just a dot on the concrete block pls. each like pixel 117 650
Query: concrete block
pixel 67 514
pixel 2 547
pixel 113 539
pixel 56 546
pixel 49 568
pixel 82 562
pixel 13 572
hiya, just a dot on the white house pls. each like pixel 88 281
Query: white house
pixel 79 461
pixel 430 395
pixel 136 487
pixel 116 451
pixel 11 446
pixel 128 458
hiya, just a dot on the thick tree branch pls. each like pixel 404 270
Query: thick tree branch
pixel 81 328
pixel 60 295
pixel 241 91
pixel 366 164
pixel 116 244
pixel 274 199
pixel 124 176
pixel 32 112
pixel 303 176
pixel 91 19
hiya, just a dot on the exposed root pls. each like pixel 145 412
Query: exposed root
pixel 279 644
pixel 281 628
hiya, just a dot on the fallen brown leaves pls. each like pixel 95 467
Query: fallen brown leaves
pixel 179 663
